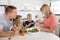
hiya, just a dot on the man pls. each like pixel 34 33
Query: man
pixel 6 21
pixel 29 23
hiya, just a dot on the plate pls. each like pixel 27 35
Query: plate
pixel 31 29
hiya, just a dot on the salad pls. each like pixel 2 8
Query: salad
pixel 33 30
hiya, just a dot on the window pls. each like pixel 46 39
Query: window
pixel 55 6
pixel 2 9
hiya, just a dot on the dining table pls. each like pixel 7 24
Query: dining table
pixel 41 35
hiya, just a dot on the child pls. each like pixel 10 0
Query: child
pixel 17 25
pixel 29 23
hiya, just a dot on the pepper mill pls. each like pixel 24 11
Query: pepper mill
pixel 9 38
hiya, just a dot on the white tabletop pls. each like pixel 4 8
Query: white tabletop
pixel 35 36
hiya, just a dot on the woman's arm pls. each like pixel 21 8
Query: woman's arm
pixel 51 29
pixel 45 29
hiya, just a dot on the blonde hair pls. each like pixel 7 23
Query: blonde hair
pixel 17 20
pixel 29 15
pixel 48 11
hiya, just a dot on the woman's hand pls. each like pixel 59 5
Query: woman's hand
pixel 37 24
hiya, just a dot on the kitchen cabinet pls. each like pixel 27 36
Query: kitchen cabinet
pixel 57 30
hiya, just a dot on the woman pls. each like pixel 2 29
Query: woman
pixel 17 24
pixel 50 21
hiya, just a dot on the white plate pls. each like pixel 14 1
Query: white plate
pixel 31 29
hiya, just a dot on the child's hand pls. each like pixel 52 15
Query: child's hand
pixel 27 25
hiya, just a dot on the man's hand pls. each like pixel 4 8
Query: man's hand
pixel 6 34
pixel 10 34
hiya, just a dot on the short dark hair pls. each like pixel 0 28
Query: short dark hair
pixel 9 8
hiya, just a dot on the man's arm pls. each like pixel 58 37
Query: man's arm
pixel 6 34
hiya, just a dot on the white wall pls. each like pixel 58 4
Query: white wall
pixel 20 2
pixel 2 10
pixel 3 2
pixel 30 4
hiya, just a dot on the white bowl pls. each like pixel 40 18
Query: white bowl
pixel 31 29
